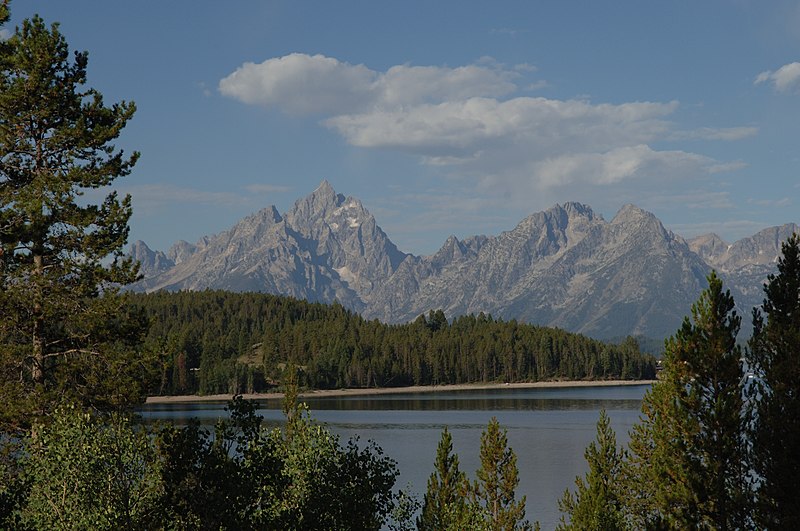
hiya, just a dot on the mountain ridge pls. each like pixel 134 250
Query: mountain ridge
pixel 565 266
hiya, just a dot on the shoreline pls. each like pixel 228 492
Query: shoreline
pixel 333 393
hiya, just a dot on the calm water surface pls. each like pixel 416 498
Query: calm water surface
pixel 547 428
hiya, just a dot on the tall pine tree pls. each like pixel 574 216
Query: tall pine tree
pixel 498 477
pixel 689 453
pixel 444 505
pixel 774 357
pixel 598 504
pixel 65 333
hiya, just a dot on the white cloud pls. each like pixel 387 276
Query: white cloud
pixel 300 83
pixel 305 84
pixel 724 167
pixel 620 164
pixel 405 85
pixel 542 125
pixel 469 118
pixel 5 34
pixel 784 79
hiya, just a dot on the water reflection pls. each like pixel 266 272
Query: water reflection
pixel 559 399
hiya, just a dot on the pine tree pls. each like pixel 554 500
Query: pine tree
pixel 498 478
pixel 689 454
pixel 444 503
pixel 598 503
pixel 774 358
pixel 65 332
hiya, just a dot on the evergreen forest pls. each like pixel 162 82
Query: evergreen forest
pixel 214 342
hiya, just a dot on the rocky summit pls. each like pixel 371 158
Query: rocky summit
pixel 565 267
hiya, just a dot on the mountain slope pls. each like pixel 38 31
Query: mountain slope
pixel 565 267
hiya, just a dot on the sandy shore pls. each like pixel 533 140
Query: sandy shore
pixel 398 390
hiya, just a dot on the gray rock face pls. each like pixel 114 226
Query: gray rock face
pixel 326 248
pixel 565 267
pixel 151 263
pixel 745 264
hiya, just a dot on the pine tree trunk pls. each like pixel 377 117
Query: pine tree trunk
pixel 37 371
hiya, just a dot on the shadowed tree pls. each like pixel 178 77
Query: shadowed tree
pixel 774 357
pixel 65 334
pixel 689 466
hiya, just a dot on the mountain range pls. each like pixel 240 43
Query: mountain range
pixel 566 267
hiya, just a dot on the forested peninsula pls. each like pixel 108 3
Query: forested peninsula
pixel 213 342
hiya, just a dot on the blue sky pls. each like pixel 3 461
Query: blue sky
pixel 449 117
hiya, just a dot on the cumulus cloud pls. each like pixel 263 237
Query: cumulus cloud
pixel 542 125
pixel 784 79
pixel 620 164
pixel 301 83
pixel 306 84
pixel 473 119
pixel 5 34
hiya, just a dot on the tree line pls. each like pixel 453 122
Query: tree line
pixel 221 342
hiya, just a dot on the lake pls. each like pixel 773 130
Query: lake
pixel 548 428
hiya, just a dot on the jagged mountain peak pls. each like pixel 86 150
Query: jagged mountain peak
pixel 326 206
pixel 180 251
pixel 451 251
pixel 565 266
pixel 138 247
pixel 556 216
pixel 321 200
pixel 710 247
pixel 574 208
pixel 631 213
pixel 324 189
pixel 762 248
pixel 150 262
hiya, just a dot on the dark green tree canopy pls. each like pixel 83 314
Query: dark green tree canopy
pixel 689 459
pixel 774 358
pixel 60 255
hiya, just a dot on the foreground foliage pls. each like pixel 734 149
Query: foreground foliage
pixel 599 501
pixel 717 447
pixel 84 472
pixel 489 503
